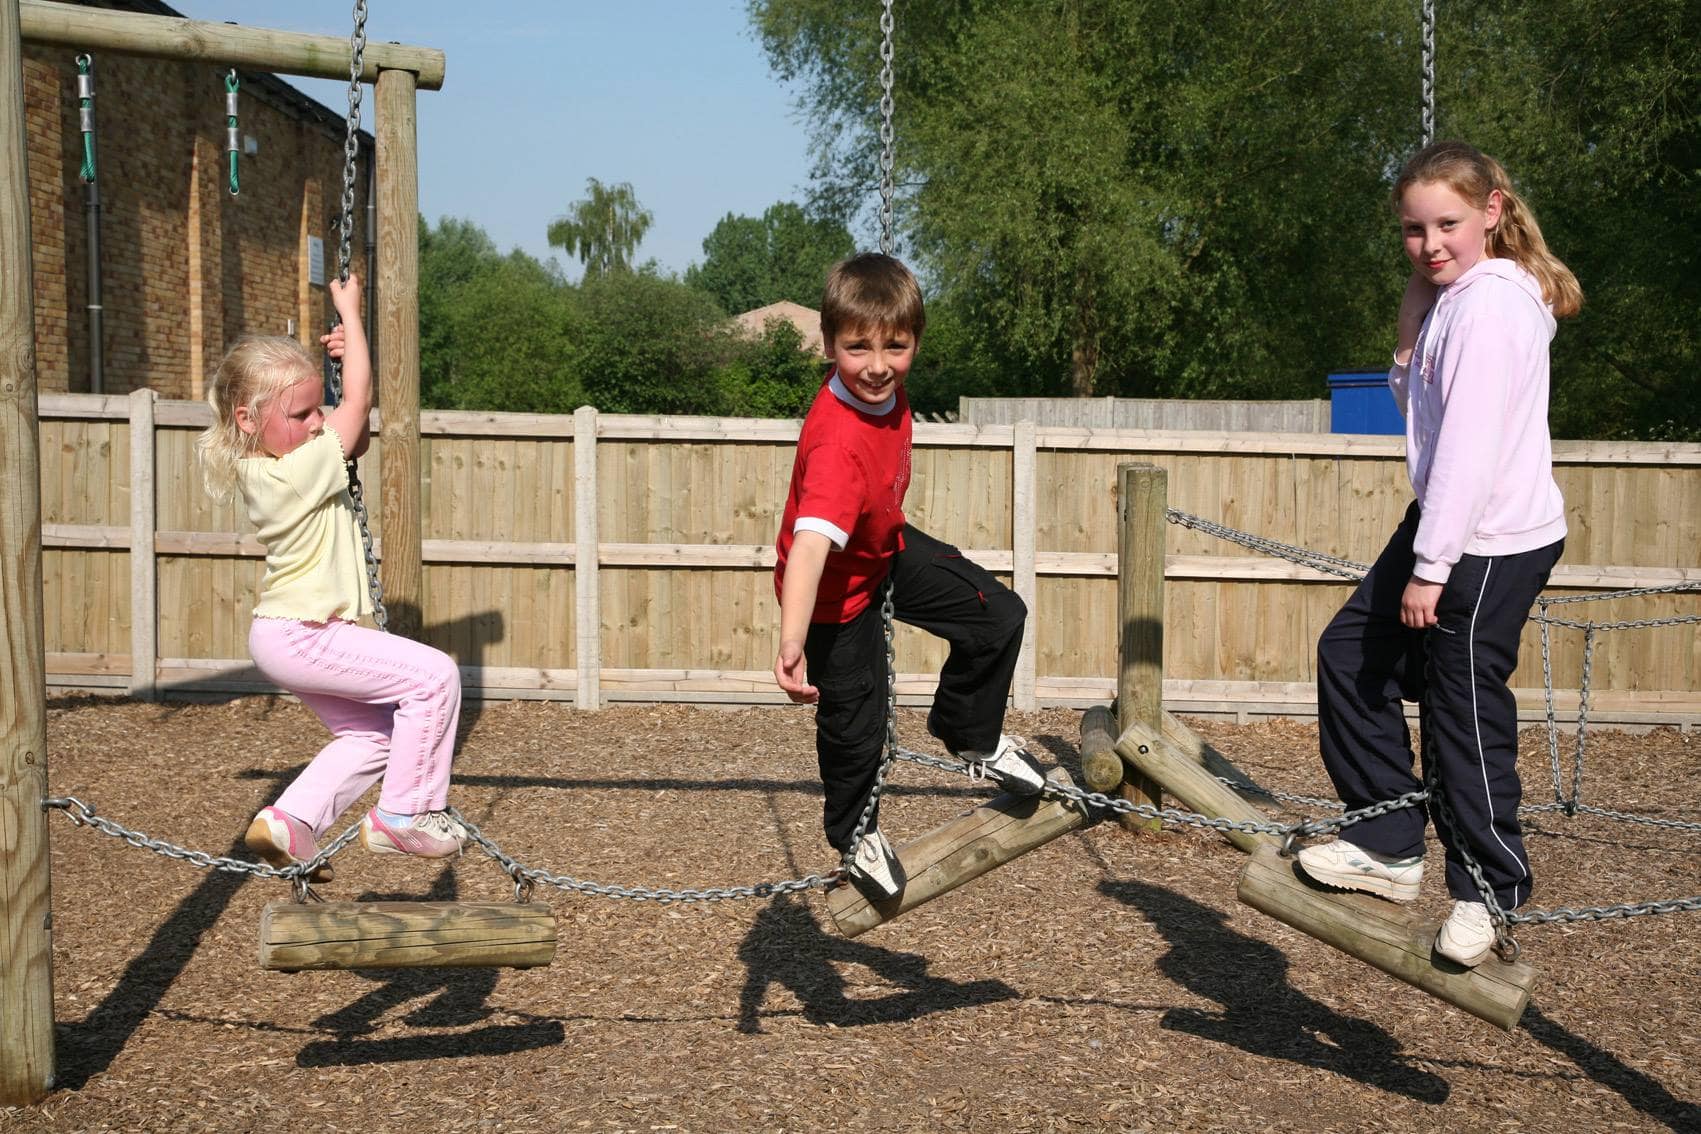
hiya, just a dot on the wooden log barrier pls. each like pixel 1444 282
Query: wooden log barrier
pixel 959 851
pixel 1180 775
pixel 1393 938
pixel 411 935
pixel 1101 767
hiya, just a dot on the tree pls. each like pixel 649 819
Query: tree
pixel 650 344
pixel 604 229
pixel 497 332
pixel 772 375
pixel 750 262
pixel 1190 198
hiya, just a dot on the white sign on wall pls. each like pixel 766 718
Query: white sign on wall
pixel 316 260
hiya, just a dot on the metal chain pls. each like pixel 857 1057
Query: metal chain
pixel 887 242
pixel 83 815
pixel 891 741
pixel 345 254
pixel 1428 72
pixel 1303 556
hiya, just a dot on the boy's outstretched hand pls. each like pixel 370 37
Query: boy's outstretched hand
pixel 789 673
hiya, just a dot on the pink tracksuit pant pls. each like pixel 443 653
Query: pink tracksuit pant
pixel 391 704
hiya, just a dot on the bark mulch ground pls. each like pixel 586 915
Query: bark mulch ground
pixel 1107 981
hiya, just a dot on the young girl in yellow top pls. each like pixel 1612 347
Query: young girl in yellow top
pixel 391 704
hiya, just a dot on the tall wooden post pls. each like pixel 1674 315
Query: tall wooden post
pixel 401 571
pixel 1143 500
pixel 26 944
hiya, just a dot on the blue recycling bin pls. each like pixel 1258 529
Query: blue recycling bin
pixel 1360 402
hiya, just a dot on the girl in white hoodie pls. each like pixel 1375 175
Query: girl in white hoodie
pixel 1439 616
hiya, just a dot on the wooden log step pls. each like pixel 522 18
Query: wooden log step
pixel 1202 750
pixel 1101 767
pixel 414 935
pixel 1395 939
pixel 1180 775
pixel 959 851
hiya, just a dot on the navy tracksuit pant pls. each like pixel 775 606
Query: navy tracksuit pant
pixel 936 589
pixel 1457 672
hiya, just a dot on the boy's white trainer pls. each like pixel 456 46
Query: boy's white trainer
pixel 1467 936
pixel 1347 866
pixel 1009 765
pixel 876 863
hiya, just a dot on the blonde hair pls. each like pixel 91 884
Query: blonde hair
pixel 1473 175
pixel 868 291
pixel 257 369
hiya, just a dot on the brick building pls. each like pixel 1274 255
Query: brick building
pixel 185 266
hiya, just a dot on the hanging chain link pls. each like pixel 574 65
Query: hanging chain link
pixel 345 255
pixel 1428 71
pixel 887 242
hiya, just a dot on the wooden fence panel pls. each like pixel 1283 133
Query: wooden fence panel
pixel 685 512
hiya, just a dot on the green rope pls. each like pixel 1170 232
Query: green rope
pixel 231 85
pixel 87 173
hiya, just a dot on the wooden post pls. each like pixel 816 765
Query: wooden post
pixel 587 593
pixel 26 943
pixel 1143 498
pixel 1394 939
pixel 958 852
pixel 1206 755
pixel 144 578
pixel 1024 576
pixel 1101 767
pixel 1177 772
pixel 409 935
pixel 401 571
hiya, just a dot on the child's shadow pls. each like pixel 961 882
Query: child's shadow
pixel 785 946
pixel 454 998
pixel 1262 1013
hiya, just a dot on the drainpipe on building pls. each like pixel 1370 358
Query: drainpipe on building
pixel 91 218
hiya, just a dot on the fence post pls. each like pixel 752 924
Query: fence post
pixel 1143 500
pixel 1024 574
pixel 26 940
pixel 587 654
pixel 144 563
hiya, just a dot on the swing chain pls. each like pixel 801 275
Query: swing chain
pixel 891 740
pixel 1428 71
pixel 886 135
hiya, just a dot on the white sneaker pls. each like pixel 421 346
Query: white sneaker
pixel 1467 936
pixel 1009 765
pixel 876 863
pixel 1349 867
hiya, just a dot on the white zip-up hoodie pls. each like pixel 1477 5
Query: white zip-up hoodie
pixel 1477 444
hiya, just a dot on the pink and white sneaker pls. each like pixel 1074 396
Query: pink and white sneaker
pixel 283 840
pixel 431 834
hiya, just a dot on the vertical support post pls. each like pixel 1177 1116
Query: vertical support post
pixel 1024 576
pixel 26 944
pixel 144 585
pixel 401 572
pixel 587 593
pixel 1143 500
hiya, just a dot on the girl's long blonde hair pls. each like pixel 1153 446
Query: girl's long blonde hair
pixel 257 369
pixel 1473 175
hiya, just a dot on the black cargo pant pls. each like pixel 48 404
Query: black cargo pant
pixel 936 589
pixel 1457 672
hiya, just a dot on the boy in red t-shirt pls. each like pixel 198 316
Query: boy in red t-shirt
pixel 843 535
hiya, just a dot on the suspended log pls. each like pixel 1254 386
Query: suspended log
pixel 1101 767
pixel 959 851
pixel 1393 938
pixel 412 935
pixel 1206 754
pixel 1197 789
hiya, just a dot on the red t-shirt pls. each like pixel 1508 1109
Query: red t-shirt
pixel 848 482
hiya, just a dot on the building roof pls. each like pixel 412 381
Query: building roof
pixel 805 319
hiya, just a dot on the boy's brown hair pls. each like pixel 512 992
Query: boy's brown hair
pixel 871 291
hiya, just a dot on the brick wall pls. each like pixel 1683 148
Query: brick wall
pixel 186 267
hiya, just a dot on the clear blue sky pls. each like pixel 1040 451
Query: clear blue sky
pixel 674 96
